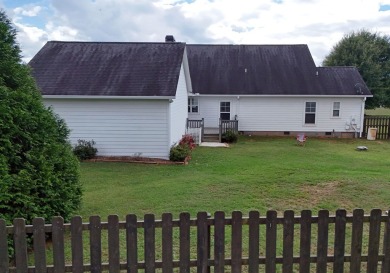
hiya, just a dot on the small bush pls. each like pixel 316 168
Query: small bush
pixel 188 140
pixel 229 137
pixel 85 149
pixel 179 153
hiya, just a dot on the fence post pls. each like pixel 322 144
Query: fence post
pixel 220 130
pixel 202 132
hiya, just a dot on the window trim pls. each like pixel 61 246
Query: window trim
pixel 333 109
pixel 191 105
pixel 225 112
pixel 315 114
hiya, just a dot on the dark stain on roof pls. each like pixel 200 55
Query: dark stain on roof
pixel 153 69
pixel 108 69
pixel 266 70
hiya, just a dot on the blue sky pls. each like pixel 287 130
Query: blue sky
pixel 318 23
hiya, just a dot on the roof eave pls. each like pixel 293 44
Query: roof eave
pixel 279 95
pixel 108 97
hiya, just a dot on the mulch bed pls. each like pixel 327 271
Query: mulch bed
pixel 136 159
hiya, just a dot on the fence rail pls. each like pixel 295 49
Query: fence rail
pixel 288 243
pixel 382 123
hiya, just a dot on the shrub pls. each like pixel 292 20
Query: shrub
pixel 230 137
pixel 188 140
pixel 39 174
pixel 179 153
pixel 85 149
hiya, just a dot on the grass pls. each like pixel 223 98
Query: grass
pixel 257 173
pixel 378 112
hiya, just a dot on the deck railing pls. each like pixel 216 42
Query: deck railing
pixel 227 125
pixel 196 123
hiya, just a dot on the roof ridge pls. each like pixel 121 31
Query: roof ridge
pixel 112 42
pixel 247 44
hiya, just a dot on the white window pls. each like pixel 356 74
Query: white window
pixel 310 112
pixel 336 109
pixel 193 105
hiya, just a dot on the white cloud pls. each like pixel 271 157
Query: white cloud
pixel 29 11
pixel 318 23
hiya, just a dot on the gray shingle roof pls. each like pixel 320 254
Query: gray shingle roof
pixel 108 69
pixel 266 70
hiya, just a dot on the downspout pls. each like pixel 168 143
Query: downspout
pixel 362 117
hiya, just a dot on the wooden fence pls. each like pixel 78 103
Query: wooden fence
pixel 287 243
pixel 382 123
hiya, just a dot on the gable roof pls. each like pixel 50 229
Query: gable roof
pixel 266 70
pixel 108 69
pixel 341 80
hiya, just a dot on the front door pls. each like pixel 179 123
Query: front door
pixel 224 109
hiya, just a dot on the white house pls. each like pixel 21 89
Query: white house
pixel 274 90
pixel 130 98
pixel 135 98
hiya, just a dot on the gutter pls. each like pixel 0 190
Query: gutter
pixel 284 96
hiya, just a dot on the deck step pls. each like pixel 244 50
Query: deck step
pixel 211 138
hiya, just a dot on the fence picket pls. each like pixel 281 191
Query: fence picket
pixel 113 244
pixel 184 242
pixel 20 244
pixel 77 244
pixel 58 244
pixel 149 241
pixel 339 241
pixel 305 242
pixel 167 243
pixel 219 242
pixel 254 240
pixel 322 240
pixel 95 242
pixel 4 261
pixel 270 247
pixel 356 240
pixel 373 243
pixel 288 241
pixel 386 247
pixel 131 243
pixel 39 237
pixel 236 241
pixel 202 242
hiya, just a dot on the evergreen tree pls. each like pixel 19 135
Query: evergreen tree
pixel 39 175
pixel 370 53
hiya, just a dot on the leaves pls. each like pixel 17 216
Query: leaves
pixel 370 53
pixel 39 175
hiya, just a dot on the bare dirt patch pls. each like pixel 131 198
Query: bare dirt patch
pixel 317 193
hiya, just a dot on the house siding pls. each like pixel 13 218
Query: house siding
pixel 209 109
pixel 178 110
pixel 278 114
pixel 119 127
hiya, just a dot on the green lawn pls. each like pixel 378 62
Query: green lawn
pixel 257 173
pixel 378 112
